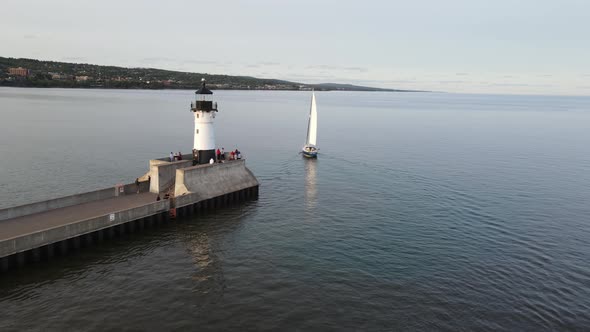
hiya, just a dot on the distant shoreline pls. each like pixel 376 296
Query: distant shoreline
pixel 32 73
pixel 194 88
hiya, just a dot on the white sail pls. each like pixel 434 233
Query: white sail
pixel 312 127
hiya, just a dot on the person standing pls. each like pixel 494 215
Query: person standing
pixel 222 154
pixel 137 184
pixel 218 154
pixel 171 156
pixel 179 155
pixel 195 157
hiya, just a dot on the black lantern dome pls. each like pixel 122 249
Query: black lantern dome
pixel 202 103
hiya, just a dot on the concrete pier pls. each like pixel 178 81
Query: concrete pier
pixel 40 231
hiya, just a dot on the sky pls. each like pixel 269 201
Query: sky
pixel 471 46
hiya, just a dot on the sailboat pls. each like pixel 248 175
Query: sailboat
pixel 310 149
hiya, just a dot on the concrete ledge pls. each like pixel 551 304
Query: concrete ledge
pixel 163 173
pixel 53 235
pixel 201 182
pixel 131 188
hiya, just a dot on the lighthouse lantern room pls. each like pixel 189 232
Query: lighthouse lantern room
pixel 204 110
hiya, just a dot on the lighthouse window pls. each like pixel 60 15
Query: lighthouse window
pixel 197 115
pixel 197 131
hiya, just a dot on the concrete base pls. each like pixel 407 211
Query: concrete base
pixel 36 255
pixel 130 227
pixel 88 241
pixel 100 236
pixel 20 259
pixel 206 155
pixel 149 222
pixel 75 242
pixel 4 264
pixel 63 248
pixel 50 251
pixel 109 233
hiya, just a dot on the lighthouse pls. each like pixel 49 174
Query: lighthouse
pixel 204 111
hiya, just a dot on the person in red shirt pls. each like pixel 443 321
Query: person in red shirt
pixel 218 154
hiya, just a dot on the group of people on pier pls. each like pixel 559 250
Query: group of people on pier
pixel 175 156
pixel 220 156
pixel 233 155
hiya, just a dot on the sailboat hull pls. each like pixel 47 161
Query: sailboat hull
pixel 309 151
pixel 308 154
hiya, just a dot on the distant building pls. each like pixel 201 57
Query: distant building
pixel 82 78
pixel 20 71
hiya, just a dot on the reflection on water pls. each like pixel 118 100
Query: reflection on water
pixel 310 184
pixel 208 274
pixel 199 248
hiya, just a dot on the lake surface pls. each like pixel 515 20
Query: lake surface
pixel 424 211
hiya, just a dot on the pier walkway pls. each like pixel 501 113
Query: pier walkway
pixel 37 222
pixel 31 231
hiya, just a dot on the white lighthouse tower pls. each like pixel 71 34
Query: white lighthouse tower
pixel 204 110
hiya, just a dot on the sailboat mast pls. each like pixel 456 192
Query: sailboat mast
pixel 309 118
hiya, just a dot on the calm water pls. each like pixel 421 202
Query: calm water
pixel 423 212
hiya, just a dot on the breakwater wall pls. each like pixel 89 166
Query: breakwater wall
pixel 201 182
pixel 44 244
pixel 202 187
pixel 42 230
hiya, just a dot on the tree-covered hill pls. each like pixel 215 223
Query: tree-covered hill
pixel 83 75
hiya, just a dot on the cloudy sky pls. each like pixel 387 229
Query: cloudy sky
pixel 499 46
